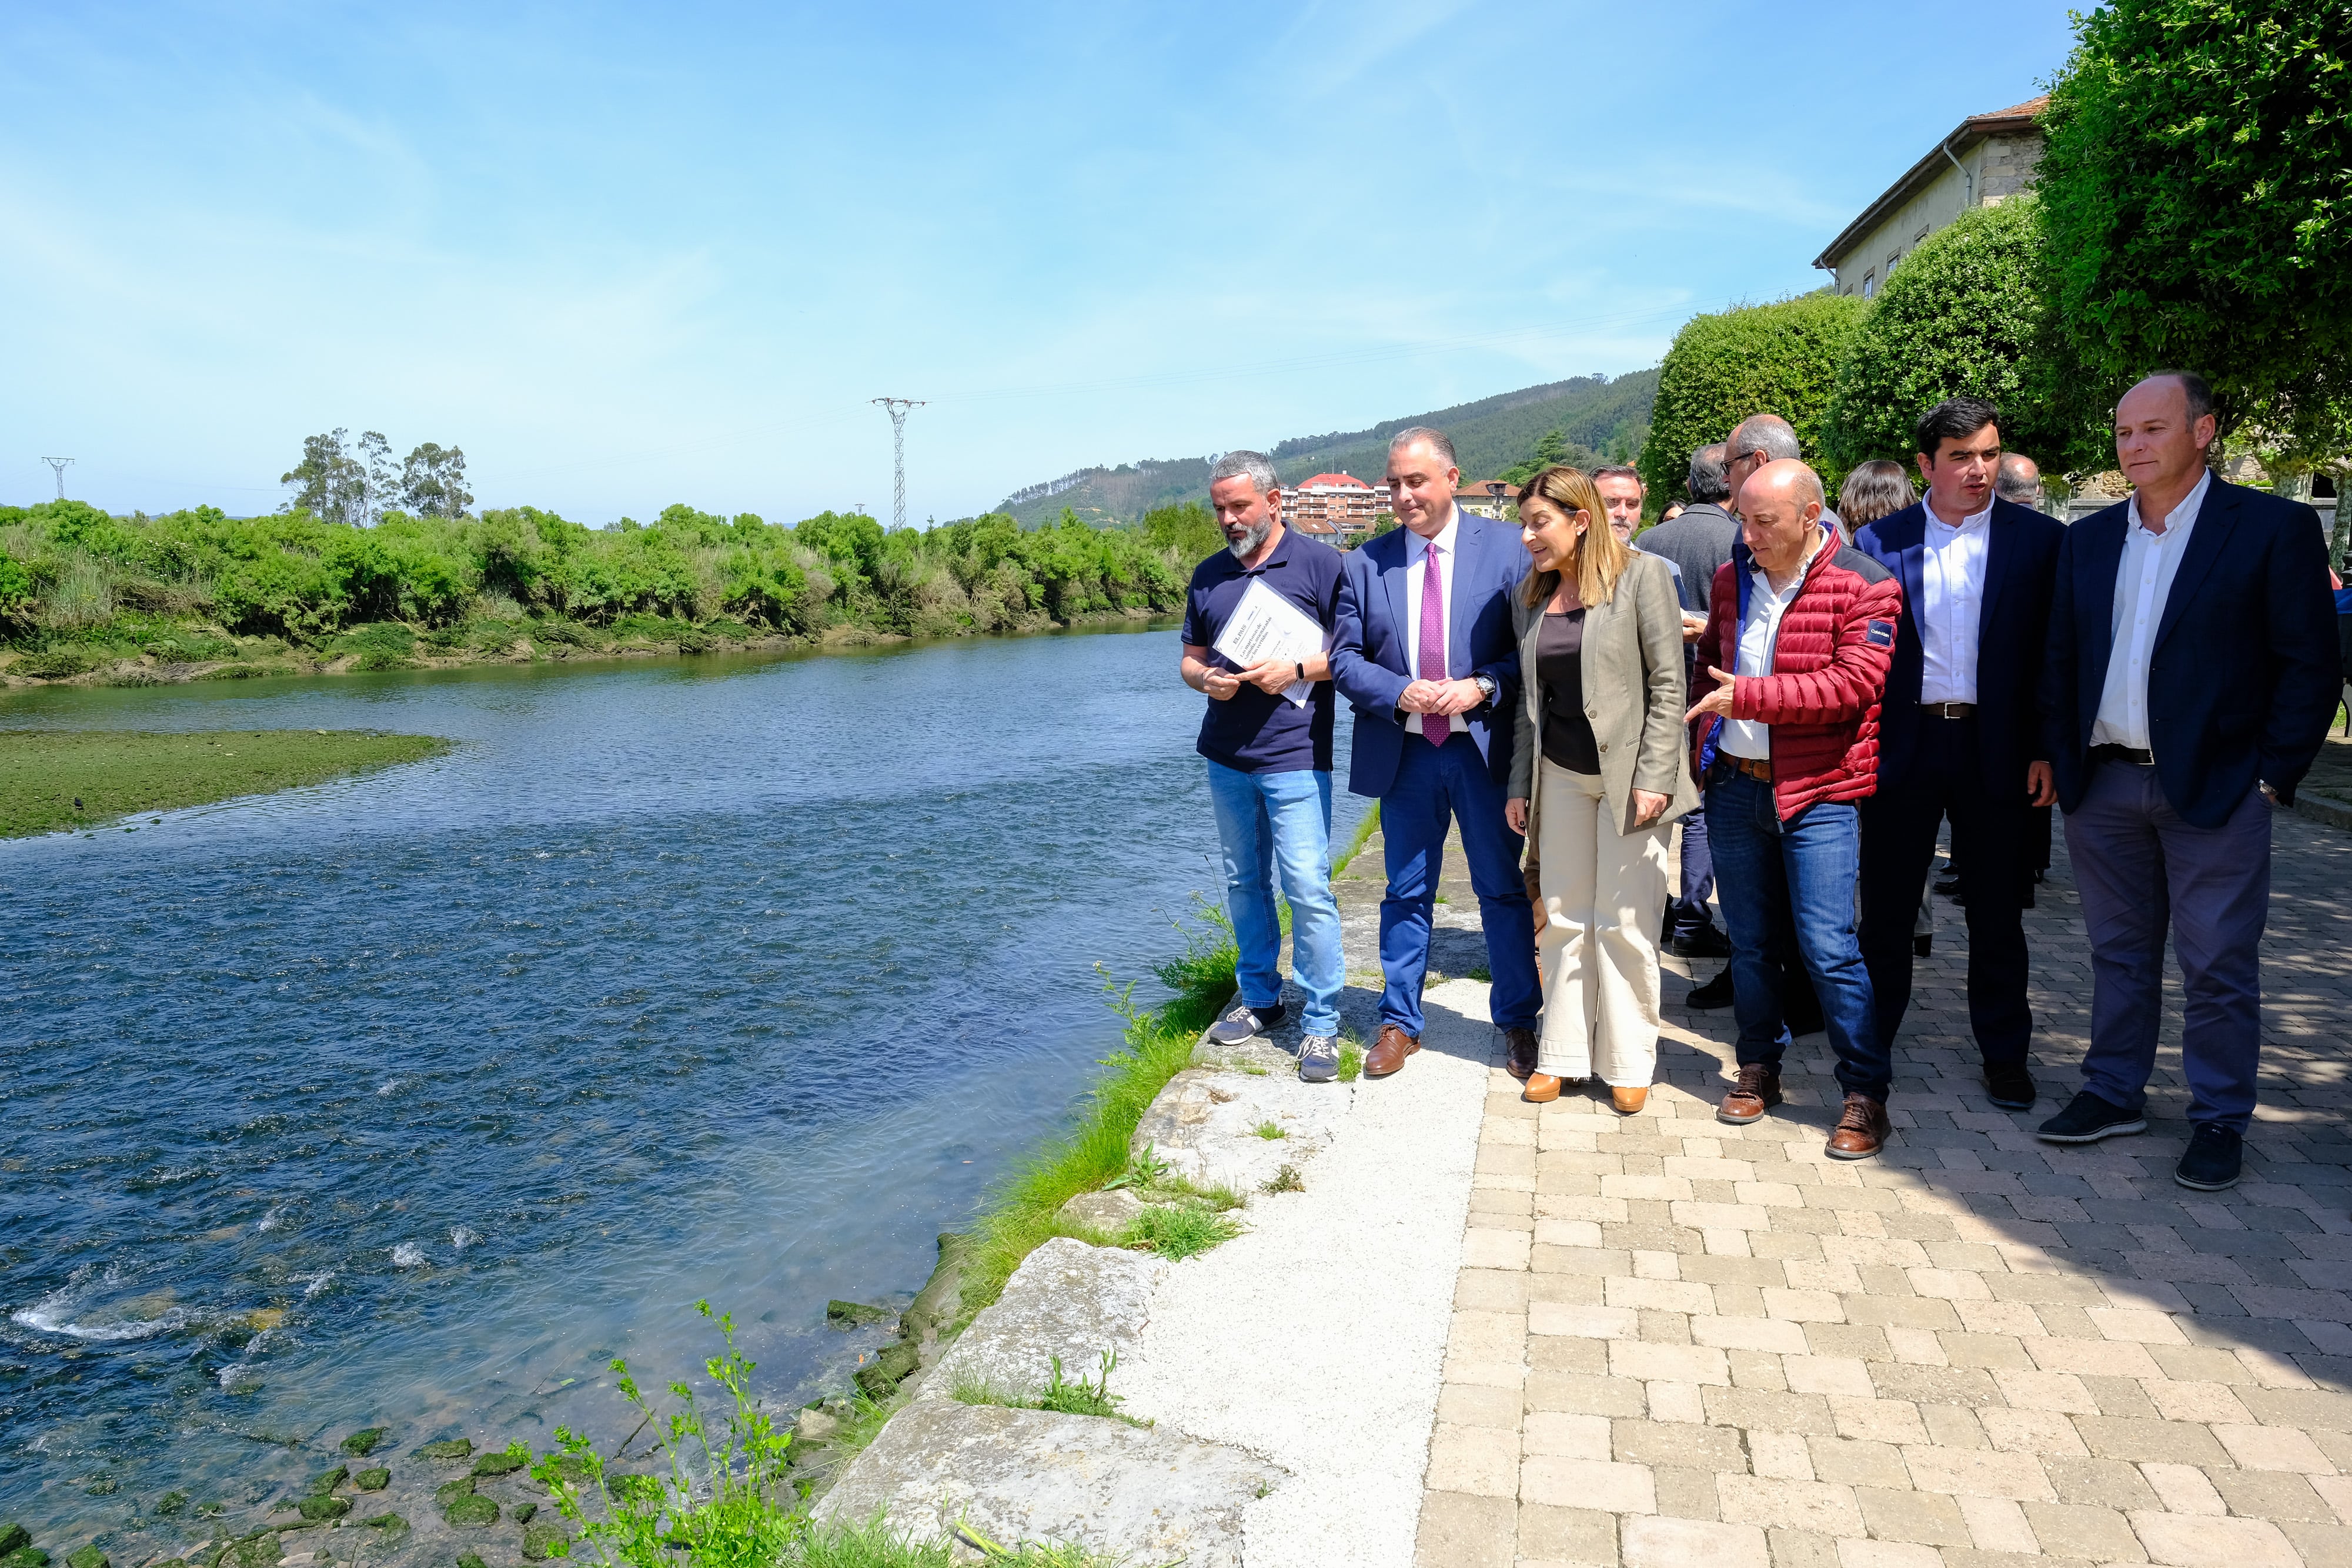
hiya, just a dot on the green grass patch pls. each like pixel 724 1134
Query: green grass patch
pixel 1285 1179
pixel 1482 973
pixel 1269 1131
pixel 77 778
pixel 1364 831
pixel 1351 1056
pixel 1179 1230
pixel 1025 1210
pixel 1063 1396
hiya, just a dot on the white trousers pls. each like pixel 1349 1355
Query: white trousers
pixel 1603 891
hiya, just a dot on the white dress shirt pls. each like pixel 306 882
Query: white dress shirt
pixel 2143 584
pixel 1760 629
pixel 1951 607
pixel 1416 562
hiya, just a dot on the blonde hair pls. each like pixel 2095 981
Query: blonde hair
pixel 1598 558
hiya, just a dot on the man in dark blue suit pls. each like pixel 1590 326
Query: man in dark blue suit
pixel 2190 680
pixel 1958 731
pixel 1423 649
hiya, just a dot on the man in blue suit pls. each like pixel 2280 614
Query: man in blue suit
pixel 1423 649
pixel 2190 680
pixel 1958 730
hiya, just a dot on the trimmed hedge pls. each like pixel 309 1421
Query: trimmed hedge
pixel 1780 358
pixel 1966 315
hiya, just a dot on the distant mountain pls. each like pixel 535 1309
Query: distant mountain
pixel 1604 416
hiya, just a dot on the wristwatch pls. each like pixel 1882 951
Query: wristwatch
pixel 1486 684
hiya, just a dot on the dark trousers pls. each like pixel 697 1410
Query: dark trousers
pixel 1436 785
pixel 1991 844
pixel 1688 912
pixel 1788 889
pixel 2139 869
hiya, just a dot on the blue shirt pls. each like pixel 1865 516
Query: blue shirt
pixel 1255 731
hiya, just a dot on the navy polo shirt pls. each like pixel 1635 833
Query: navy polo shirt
pixel 1255 731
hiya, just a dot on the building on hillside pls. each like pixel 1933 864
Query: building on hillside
pixel 1316 527
pixel 1985 160
pixel 1343 503
pixel 1487 497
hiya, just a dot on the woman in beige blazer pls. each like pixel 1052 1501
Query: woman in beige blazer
pixel 1599 770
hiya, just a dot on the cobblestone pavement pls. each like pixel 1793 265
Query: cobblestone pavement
pixel 1680 1342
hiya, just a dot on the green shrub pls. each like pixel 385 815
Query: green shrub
pixel 1780 358
pixel 1967 314
pixel 55 664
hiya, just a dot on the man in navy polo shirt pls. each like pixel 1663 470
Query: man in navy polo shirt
pixel 1270 764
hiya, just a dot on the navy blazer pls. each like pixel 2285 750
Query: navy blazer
pixel 1371 648
pixel 2243 681
pixel 2012 628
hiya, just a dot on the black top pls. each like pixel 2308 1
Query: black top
pixel 1560 663
pixel 1250 730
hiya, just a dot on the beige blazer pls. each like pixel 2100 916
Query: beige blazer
pixel 1634 694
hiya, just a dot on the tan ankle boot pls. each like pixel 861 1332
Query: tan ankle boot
pixel 1629 1101
pixel 1542 1089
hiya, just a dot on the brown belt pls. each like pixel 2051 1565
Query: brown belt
pixel 1755 767
pixel 1948 710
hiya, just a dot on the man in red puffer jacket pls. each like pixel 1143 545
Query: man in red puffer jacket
pixel 1799 636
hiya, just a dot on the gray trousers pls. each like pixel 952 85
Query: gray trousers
pixel 2140 868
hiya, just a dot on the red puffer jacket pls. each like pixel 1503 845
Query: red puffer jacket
pixel 1829 669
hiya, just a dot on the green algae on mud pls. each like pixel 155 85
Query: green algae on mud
pixel 52 779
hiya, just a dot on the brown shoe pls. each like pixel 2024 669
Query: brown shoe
pixel 1388 1052
pixel 1757 1090
pixel 1862 1131
pixel 1519 1058
pixel 1542 1089
pixel 1629 1101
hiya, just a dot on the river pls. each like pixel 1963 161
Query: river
pixel 414 1099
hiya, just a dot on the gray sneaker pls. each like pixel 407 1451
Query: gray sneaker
pixel 1244 1022
pixel 1319 1059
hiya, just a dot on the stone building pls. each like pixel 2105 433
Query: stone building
pixel 1332 505
pixel 1987 159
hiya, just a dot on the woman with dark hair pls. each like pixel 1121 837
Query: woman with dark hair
pixel 1599 770
pixel 1877 489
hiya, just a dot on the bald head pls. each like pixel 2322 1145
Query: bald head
pixel 2019 481
pixel 1781 515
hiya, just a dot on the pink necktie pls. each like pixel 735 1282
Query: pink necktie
pixel 1436 726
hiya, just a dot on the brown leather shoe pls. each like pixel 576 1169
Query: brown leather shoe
pixel 1519 1056
pixel 1862 1131
pixel 1629 1101
pixel 1757 1090
pixel 1388 1052
pixel 1542 1089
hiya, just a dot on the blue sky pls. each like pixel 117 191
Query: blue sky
pixel 626 257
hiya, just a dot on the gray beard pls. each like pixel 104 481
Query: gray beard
pixel 1250 542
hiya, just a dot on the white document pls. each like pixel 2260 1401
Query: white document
pixel 1264 625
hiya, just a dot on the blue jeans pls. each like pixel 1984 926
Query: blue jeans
pixel 1434 787
pixel 1267 821
pixel 1768 873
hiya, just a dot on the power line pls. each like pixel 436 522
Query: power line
pixel 60 464
pixel 896 407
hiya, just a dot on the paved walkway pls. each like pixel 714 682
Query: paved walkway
pixel 1679 1342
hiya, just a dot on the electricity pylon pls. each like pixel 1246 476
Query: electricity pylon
pixel 60 464
pixel 896 407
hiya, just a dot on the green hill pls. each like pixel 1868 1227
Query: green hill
pixel 1606 418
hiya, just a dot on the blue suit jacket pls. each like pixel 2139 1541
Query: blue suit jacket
pixel 2243 681
pixel 1370 650
pixel 2012 631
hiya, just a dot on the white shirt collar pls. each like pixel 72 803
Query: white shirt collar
pixel 1973 520
pixel 2182 517
pixel 1446 535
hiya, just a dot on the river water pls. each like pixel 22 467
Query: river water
pixel 414 1099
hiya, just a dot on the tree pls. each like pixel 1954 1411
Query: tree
pixel 1780 358
pixel 1967 314
pixel 382 479
pixel 329 482
pixel 433 482
pixel 2197 194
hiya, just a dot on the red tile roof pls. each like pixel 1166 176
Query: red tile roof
pixel 1339 481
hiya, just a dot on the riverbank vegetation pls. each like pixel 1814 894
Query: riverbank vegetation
pixel 199 594
pixel 79 778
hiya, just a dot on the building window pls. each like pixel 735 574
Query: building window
pixel 1869 283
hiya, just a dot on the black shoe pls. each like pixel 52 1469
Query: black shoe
pixel 2086 1119
pixel 2009 1088
pixel 2212 1158
pixel 1667 927
pixel 1702 942
pixel 1715 993
pixel 1923 945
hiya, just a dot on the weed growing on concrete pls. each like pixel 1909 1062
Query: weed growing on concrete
pixel 1025 1210
pixel 1351 1057
pixel 1061 1395
pixel 1178 1231
pixel 1269 1131
pixel 873 1546
pixel 1146 1169
pixel 1287 1179
pixel 1482 973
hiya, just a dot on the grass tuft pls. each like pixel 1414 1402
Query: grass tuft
pixel 1364 831
pixel 1270 1130
pixel 1063 1396
pixel 1178 1231
pixel 1351 1059
pixel 1285 1179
